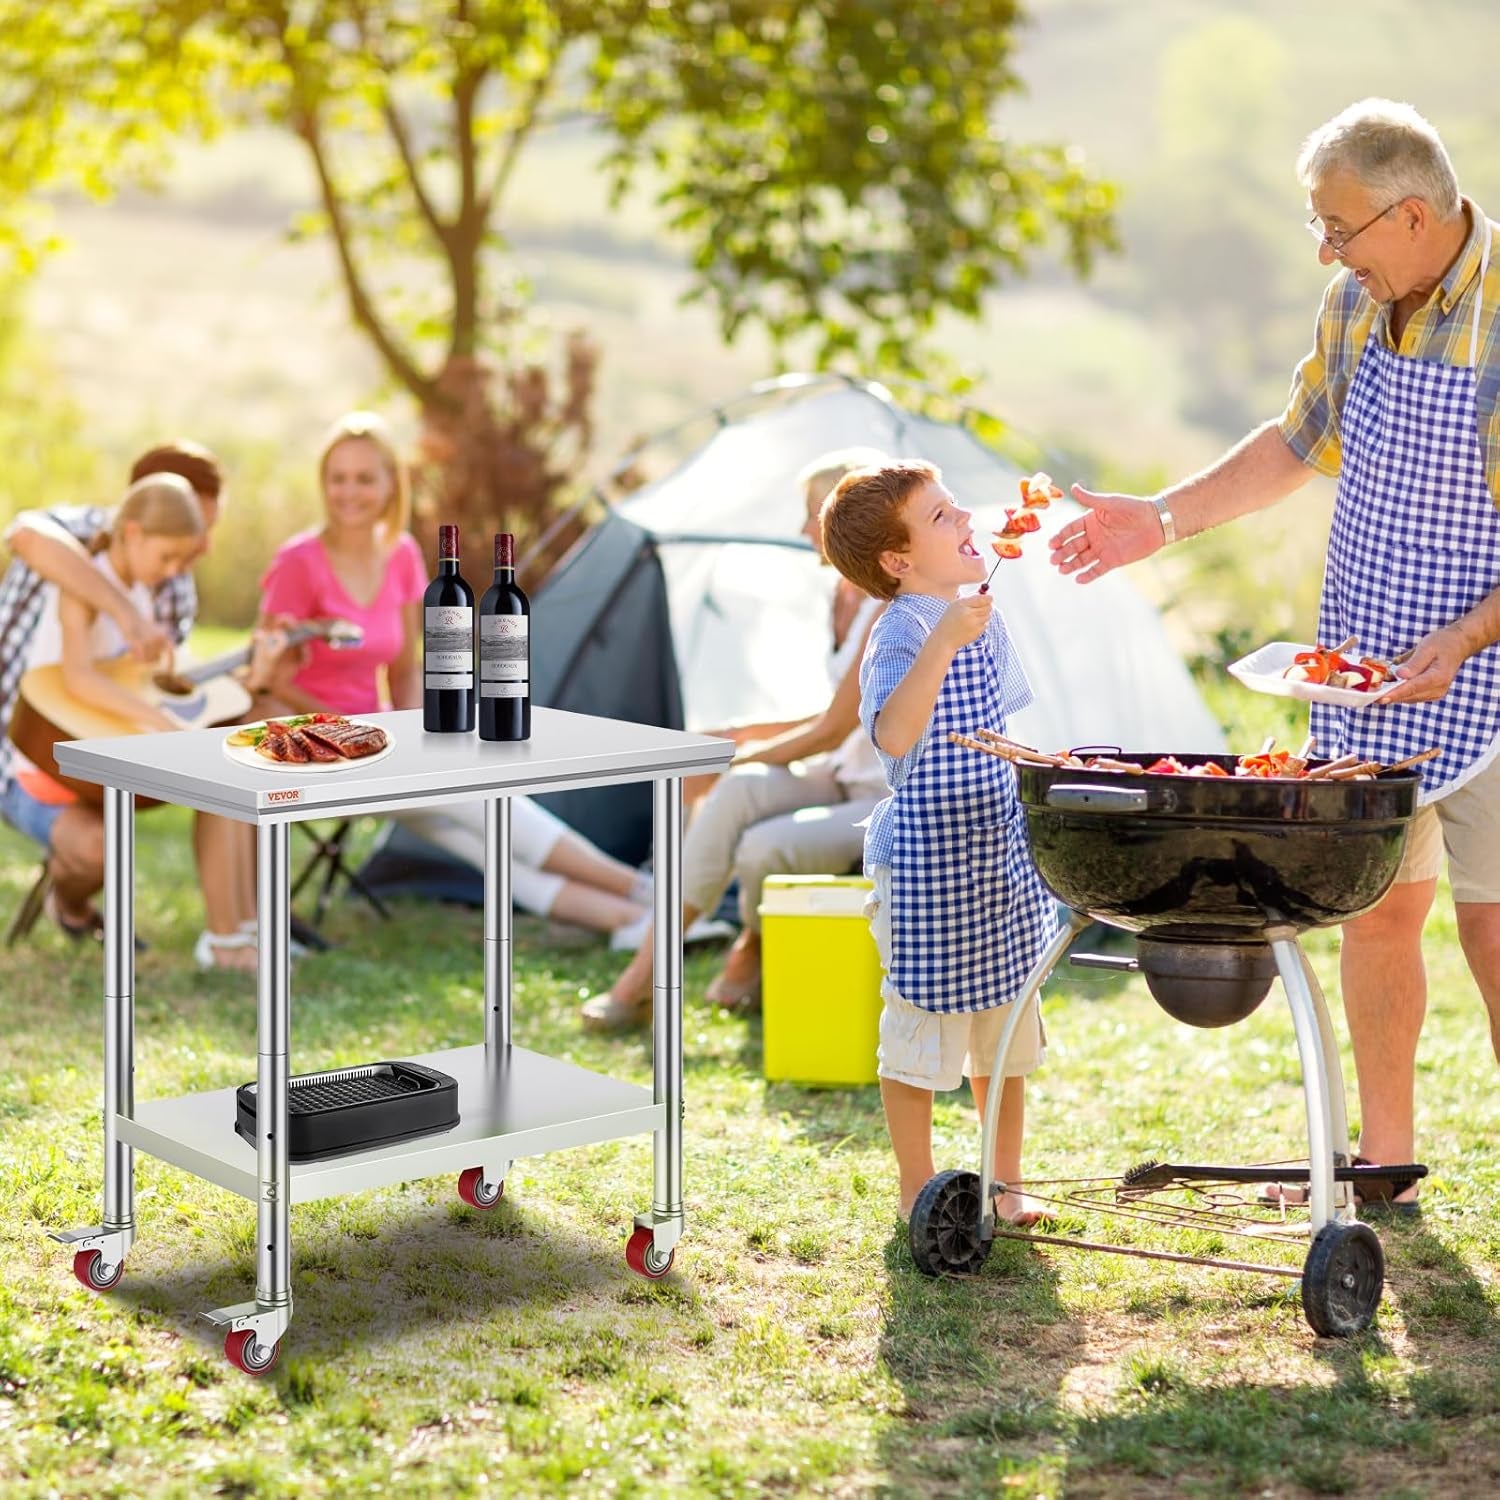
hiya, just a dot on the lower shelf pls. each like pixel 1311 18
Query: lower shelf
pixel 510 1106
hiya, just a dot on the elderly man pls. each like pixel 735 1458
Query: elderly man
pixel 1398 398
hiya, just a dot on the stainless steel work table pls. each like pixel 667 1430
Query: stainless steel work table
pixel 512 1102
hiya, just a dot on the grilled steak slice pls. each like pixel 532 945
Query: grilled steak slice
pixel 315 750
pixel 279 743
pixel 352 741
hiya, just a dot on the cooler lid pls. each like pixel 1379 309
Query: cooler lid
pixel 814 896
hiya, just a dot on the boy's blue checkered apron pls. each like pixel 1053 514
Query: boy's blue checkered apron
pixel 1415 544
pixel 969 915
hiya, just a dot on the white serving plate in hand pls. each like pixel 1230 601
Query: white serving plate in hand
pixel 248 755
pixel 1262 671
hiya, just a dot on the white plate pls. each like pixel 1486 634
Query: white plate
pixel 247 755
pixel 1262 672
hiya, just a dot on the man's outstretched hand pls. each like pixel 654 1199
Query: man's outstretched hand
pixel 1112 531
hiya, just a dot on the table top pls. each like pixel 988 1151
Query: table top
pixel 565 750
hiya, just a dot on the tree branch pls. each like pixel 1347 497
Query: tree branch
pixel 518 137
pixel 361 304
pixel 396 124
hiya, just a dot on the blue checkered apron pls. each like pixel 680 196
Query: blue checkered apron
pixel 969 915
pixel 1415 544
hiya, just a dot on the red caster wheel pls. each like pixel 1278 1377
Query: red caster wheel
pixel 641 1256
pixel 88 1267
pixel 476 1192
pixel 246 1353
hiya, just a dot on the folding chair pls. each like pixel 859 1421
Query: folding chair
pixel 26 914
pixel 327 864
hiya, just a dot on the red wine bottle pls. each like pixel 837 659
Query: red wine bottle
pixel 448 644
pixel 505 651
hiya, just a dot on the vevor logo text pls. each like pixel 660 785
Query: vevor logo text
pixel 292 795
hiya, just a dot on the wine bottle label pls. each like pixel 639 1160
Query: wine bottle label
pixel 448 647
pixel 504 656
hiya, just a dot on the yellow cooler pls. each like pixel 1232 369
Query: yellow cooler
pixel 820 980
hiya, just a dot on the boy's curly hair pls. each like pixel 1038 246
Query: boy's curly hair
pixel 862 519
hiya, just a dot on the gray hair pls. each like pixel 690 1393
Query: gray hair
pixel 1390 148
pixel 829 468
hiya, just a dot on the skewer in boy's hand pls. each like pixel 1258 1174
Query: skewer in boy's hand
pixel 964 620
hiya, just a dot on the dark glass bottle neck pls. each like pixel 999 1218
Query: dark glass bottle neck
pixel 447 565
pixel 505 575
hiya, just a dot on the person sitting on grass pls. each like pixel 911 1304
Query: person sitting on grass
pixel 152 538
pixel 793 801
pixel 958 911
pixel 363 565
pixel 56 560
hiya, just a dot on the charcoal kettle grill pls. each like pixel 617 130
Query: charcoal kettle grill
pixel 1217 876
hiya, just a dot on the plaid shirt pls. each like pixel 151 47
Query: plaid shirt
pixel 23 594
pixel 1438 330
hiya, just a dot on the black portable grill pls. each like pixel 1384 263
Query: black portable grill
pixel 1217 876
pixel 352 1109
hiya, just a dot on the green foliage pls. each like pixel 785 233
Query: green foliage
pixel 834 170
pixel 91 94
pixel 839 168
pixel 45 458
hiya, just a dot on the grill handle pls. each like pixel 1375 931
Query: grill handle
pixel 1106 799
pixel 1118 962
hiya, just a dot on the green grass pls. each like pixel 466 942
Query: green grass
pixel 794 1349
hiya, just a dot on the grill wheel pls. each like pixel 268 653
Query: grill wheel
pixel 944 1229
pixel 1342 1279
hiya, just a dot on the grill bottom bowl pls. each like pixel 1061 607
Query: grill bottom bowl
pixel 1206 984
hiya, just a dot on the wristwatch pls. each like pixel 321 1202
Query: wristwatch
pixel 1164 515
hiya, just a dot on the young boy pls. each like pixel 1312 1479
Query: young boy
pixel 958 910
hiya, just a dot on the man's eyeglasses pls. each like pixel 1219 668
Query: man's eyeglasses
pixel 1338 242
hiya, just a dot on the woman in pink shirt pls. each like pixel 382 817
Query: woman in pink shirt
pixel 360 565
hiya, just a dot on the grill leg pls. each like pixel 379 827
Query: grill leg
pixel 1029 996
pixel 665 1221
pixel 1338 1113
pixel 1327 1123
pixel 114 1237
pixel 271 1312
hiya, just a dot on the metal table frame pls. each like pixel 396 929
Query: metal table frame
pixel 512 1102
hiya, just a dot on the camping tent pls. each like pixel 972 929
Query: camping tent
pixel 694 602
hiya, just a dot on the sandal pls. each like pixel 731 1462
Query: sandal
pixel 92 927
pixel 210 945
pixel 605 1013
pixel 250 927
pixel 1378 1196
pixel 741 999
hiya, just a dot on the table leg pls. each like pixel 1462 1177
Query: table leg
pixel 99 1252
pixel 269 1315
pixel 498 976
pixel 665 1221
pixel 497 922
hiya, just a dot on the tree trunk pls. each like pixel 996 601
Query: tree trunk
pixel 499 451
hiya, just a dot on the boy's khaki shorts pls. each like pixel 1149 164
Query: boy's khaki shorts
pixel 1467 824
pixel 928 1049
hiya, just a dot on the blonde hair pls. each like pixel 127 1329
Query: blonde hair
pixel 826 471
pixel 1390 149
pixel 370 427
pixel 161 505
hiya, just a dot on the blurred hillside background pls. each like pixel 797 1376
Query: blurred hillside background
pixel 194 312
